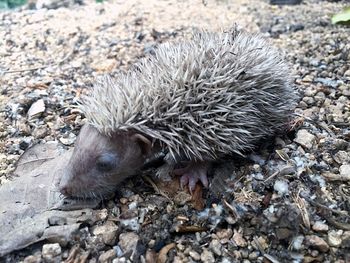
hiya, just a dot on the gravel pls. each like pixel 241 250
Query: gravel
pixel 290 204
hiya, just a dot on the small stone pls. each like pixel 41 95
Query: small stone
pixel 262 242
pixel 107 256
pixel 308 78
pixel 128 242
pixel 76 63
pixel 40 132
pixel 281 187
pixel 207 256
pixel 120 260
pixel 344 170
pixel 95 243
pixel 314 62
pixel 342 157
pixel 32 259
pixel 131 223
pixel 68 140
pixel 319 226
pixel 50 251
pixel 345 90
pixel 297 242
pixel 36 109
pixel 317 243
pixel 334 238
pixel 193 254
pixel 239 239
pixel 102 215
pixel 108 231
pixel 327 157
pixel 104 65
pixel 253 256
pixel 284 233
pixel 320 97
pixel 216 247
pixel 224 234
pixel 309 100
pixel 305 139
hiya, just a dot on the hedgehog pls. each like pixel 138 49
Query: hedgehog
pixel 217 94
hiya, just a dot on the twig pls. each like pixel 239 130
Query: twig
pixel 343 213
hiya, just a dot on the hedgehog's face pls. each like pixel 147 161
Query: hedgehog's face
pixel 100 162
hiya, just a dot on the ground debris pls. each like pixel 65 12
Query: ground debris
pixel 287 202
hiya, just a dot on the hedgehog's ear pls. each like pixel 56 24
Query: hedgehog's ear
pixel 144 143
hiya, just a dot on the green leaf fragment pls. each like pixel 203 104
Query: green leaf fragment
pixel 342 17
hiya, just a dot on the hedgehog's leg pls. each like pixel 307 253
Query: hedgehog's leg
pixel 193 173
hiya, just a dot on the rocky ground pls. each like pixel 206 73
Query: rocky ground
pixel 291 205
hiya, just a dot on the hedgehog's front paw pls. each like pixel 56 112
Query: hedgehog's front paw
pixel 193 173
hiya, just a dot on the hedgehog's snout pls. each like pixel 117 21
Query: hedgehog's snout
pixel 65 185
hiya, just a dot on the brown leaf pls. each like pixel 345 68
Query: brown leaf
pixel 197 198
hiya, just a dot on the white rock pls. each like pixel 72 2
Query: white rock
pixel 239 239
pixel 36 109
pixel 320 226
pixel 128 242
pixel 193 254
pixel 108 231
pixel 335 238
pixel 107 256
pixel 216 247
pixel 344 171
pixel 120 260
pixel 68 140
pixel 281 187
pixel 131 224
pixel 297 242
pixel 207 256
pixel 50 251
pixel 305 139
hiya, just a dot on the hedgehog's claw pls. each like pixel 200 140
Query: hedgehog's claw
pixel 193 173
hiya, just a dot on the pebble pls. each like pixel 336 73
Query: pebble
pixel 196 256
pixel 121 260
pixel 216 247
pixel 224 235
pixel 281 187
pixel 344 170
pixel 51 251
pixel 305 139
pixel 36 109
pixel 128 242
pixel 319 226
pixel 33 259
pixel 334 238
pixel 107 256
pixel 108 231
pixel 207 256
pixel 253 256
pixel 239 239
pixel 297 242
pixel 68 140
pixel 317 243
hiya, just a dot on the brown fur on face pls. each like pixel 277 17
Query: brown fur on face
pixel 100 162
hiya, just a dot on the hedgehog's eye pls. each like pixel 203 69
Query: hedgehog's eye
pixel 106 162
